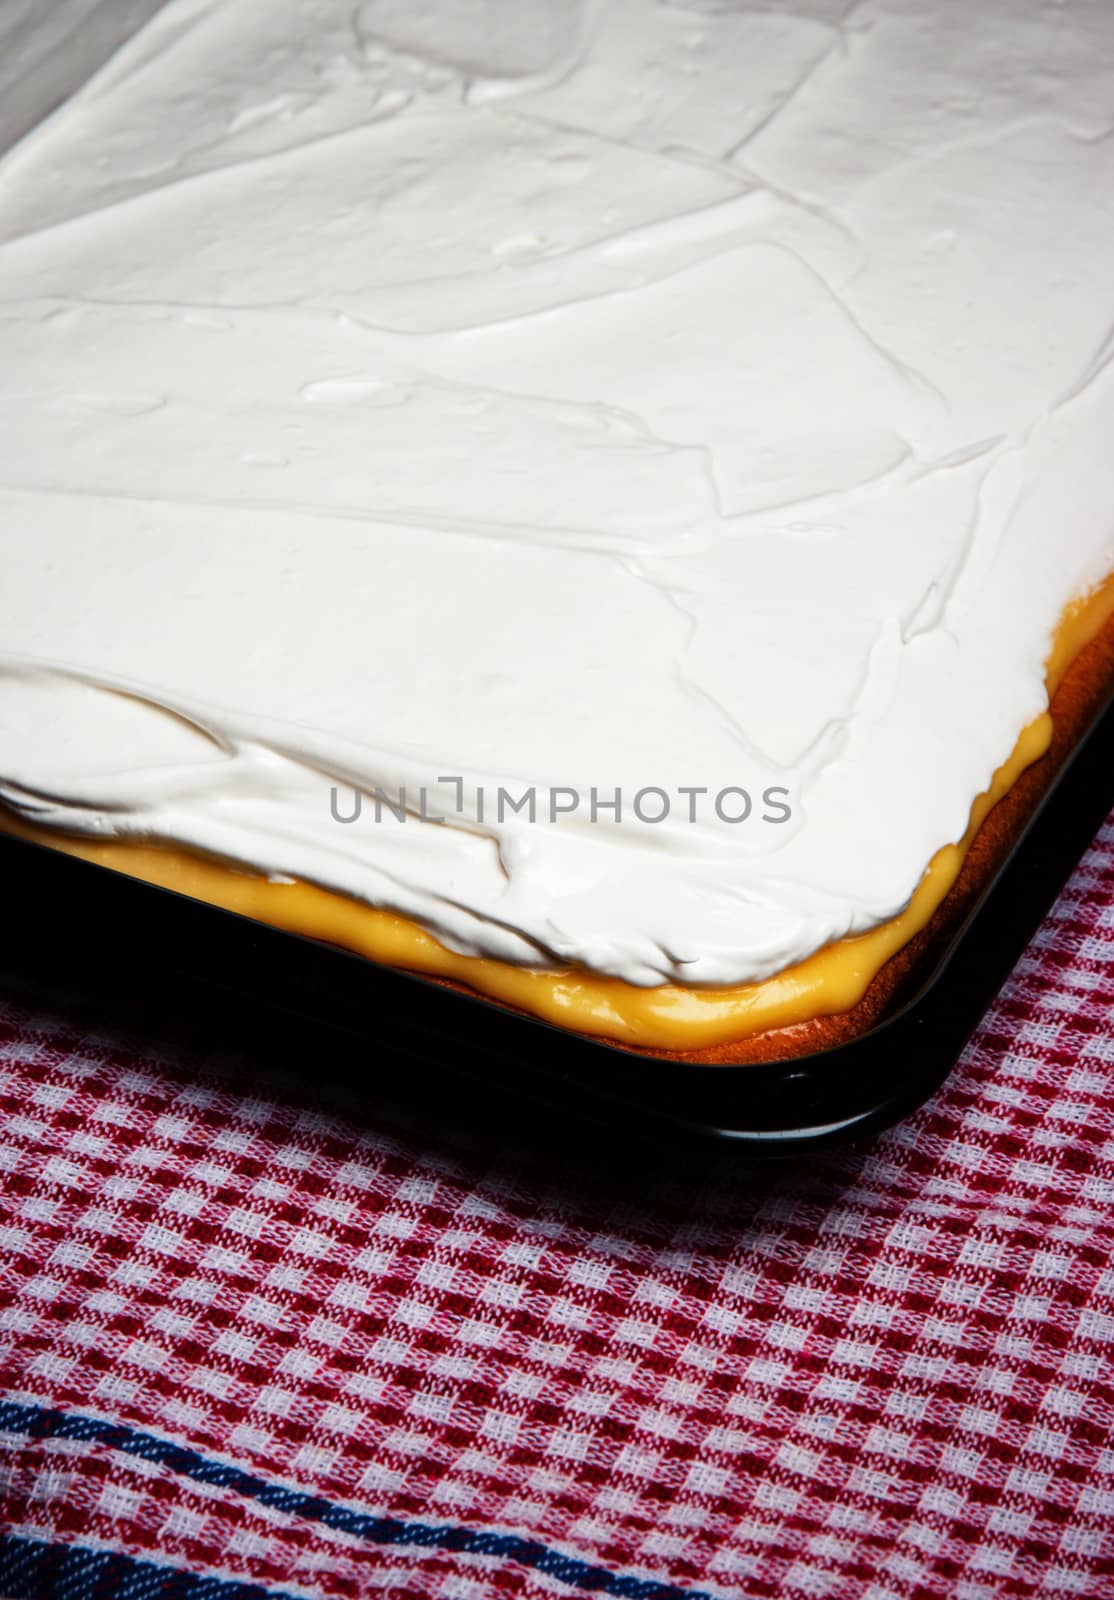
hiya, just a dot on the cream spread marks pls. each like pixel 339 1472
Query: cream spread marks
pixel 520 393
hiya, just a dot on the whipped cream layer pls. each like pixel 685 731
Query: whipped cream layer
pixel 670 394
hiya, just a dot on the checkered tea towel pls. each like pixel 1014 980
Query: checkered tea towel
pixel 253 1346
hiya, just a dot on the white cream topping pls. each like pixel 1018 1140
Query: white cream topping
pixel 641 393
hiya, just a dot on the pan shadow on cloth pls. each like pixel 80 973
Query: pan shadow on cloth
pixel 541 1143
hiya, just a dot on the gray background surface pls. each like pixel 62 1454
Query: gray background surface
pixel 48 48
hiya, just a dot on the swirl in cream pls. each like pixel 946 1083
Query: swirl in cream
pixel 662 393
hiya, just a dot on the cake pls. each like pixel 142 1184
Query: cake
pixel 590 502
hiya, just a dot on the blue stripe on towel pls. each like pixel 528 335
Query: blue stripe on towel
pixel 40 1422
pixel 33 1570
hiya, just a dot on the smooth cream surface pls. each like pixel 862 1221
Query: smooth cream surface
pixel 669 393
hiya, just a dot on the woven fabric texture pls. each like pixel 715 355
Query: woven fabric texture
pixel 256 1345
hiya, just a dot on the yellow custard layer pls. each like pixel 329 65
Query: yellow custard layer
pixel 666 1018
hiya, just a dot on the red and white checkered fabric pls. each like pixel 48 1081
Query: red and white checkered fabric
pixel 888 1375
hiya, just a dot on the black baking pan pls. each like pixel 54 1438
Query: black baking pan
pixel 67 922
